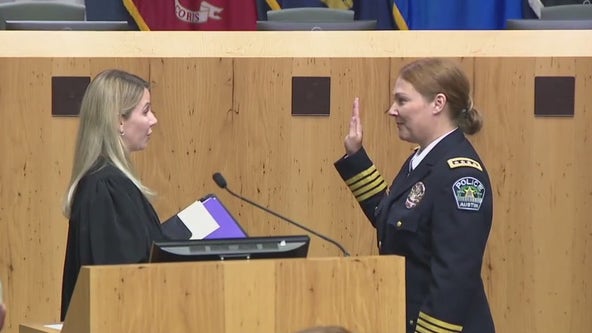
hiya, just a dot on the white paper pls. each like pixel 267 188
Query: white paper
pixel 55 326
pixel 198 220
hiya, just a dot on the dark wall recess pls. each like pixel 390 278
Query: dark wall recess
pixel 311 96
pixel 66 94
pixel 554 96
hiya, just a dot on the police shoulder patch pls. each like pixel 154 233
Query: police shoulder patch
pixel 468 193
pixel 459 162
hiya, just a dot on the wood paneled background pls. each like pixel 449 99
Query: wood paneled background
pixel 231 113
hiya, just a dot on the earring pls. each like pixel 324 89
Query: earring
pixel 122 133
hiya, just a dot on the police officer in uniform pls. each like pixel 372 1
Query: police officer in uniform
pixel 438 210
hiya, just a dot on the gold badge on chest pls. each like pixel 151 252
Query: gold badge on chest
pixel 415 196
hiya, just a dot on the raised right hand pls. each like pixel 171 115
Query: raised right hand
pixel 353 139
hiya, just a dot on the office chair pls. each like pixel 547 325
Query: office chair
pixel 40 10
pixel 311 14
pixel 536 24
pixel 567 12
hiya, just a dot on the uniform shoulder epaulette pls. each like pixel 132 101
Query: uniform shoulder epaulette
pixel 459 162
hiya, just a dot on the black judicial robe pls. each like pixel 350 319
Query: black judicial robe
pixel 111 222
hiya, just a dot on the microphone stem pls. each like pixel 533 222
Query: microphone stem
pixel 343 250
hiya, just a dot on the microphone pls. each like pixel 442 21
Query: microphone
pixel 221 182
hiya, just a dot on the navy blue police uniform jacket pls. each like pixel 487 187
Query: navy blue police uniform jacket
pixel 438 216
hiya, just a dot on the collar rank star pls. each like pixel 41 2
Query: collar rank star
pixel 468 193
pixel 415 196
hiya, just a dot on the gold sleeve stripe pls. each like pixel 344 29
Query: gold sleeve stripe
pixel 458 162
pixel 367 195
pixel 368 187
pixel 427 327
pixel 365 181
pixel 361 175
pixel 440 323
pixel 419 329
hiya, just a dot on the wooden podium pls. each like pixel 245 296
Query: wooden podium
pixel 363 294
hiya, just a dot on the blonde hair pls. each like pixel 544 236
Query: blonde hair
pixel 111 96
pixel 432 76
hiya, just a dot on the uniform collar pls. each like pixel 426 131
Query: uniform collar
pixel 421 154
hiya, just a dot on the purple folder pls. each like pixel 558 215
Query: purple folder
pixel 229 226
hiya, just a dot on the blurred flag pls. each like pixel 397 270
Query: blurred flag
pixel 454 14
pixel 193 14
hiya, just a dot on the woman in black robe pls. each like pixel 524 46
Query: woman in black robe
pixel 111 218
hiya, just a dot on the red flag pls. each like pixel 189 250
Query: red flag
pixel 193 14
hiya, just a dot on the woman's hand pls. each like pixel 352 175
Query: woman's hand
pixel 353 139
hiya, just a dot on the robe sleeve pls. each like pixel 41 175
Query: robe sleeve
pixel 113 222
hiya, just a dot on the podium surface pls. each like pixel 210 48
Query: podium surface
pixel 36 328
pixel 363 294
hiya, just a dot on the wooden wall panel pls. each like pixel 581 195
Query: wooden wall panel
pixel 540 238
pixel 504 95
pixel 287 161
pixel 193 104
pixel 30 240
pixel 555 194
pixel 232 114
pixel 579 245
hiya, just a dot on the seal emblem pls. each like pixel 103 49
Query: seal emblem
pixel 415 196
